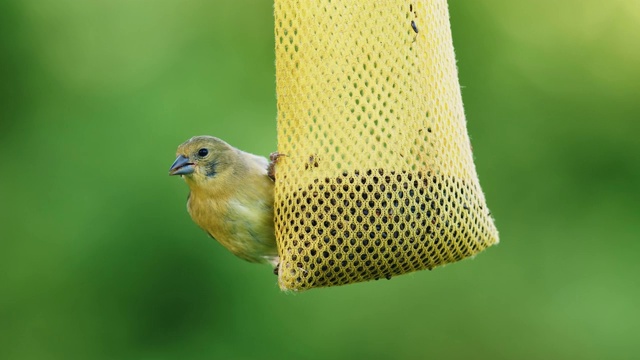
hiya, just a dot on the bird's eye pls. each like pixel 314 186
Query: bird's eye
pixel 203 152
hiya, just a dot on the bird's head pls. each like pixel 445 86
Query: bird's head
pixel 201 158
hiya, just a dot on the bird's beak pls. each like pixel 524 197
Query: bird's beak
pixel 181 166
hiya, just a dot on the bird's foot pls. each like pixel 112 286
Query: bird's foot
pixel 271 169
pixel 276 270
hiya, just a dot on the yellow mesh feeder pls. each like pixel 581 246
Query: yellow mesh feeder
pixel 378 178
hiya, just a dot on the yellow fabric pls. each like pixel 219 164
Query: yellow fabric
pixel 378 178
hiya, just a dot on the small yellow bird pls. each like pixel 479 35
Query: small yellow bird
pixel 231 196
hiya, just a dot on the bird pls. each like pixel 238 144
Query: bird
pixel 231 196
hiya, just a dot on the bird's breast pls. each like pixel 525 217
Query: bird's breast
pixel 243 224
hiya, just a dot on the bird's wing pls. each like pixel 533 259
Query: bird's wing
pixel 257 161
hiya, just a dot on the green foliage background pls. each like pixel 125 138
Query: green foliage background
pixel 99 259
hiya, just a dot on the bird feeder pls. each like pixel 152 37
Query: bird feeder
pixel 378 178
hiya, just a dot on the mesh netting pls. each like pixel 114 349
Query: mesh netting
pixel 378 178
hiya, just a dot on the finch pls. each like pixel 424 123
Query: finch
pixel 231 196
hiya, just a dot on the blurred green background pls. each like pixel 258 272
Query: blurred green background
pixel 100 260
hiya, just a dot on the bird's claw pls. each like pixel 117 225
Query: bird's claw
pixel 276 270
pixel 271 169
